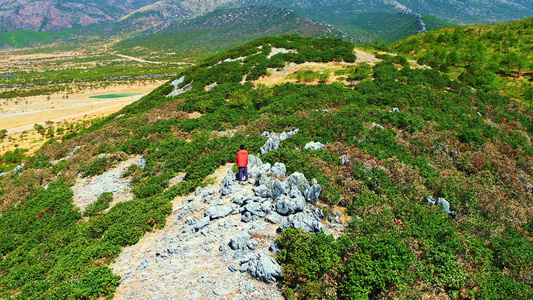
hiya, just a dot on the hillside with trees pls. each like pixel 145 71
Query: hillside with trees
pixel 398 139
pixel 492 57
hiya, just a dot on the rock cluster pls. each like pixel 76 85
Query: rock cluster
pixel 440 201
pixel 220 242
pixel 314 146
pixel 274 139
pixel 285 200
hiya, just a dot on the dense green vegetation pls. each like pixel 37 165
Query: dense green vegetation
pixel 66 73
pixel 223 29
pixel 383 27
pixel 336 12
pixel 489 56
pixel 469 146
pixel 25 38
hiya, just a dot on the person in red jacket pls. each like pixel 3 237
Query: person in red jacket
pixel 242 163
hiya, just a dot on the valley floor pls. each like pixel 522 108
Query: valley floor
pixel 20 115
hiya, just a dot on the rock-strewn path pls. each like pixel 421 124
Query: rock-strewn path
pixel 187 261
pixel 220 242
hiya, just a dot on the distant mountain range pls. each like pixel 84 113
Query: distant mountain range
pixel 55 15
pixel 364 20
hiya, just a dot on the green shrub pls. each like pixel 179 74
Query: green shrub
pixel 470 136
pixel 402 120
pixel 306 257
pixel 101 203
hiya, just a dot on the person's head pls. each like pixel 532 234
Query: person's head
pixel 242 147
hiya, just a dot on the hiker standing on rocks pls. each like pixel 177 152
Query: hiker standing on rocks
pixel 242 163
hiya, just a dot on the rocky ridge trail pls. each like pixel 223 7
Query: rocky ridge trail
pixel 219 242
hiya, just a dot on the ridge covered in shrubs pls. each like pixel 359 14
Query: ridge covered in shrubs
pixel 404 134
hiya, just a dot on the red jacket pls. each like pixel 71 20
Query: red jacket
pixel 242 158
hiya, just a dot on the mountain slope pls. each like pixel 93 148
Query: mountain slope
pixel 430 181
pixel 462 12
pixel 497 56
pixel 55 15
pixel 224 29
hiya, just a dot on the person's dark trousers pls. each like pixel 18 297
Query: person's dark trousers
pixel 241 170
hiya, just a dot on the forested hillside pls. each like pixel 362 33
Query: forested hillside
pixel 398 141
pixel 496 57
pixel 222 30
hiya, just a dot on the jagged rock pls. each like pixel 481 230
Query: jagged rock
pixel 264 268
pixel 345 159
pixel 278 189
pixel 278 170
pixel 246 217
pixel 240 197
pixel 142 162
pixel 290 205
pixel 264 179
pixel 258 209
pixel 291 133
pixel 252 244
pixel 234 208
pixel 243 268
pixel 262 191
pixel 198 191
pixel 265 168
pixel 71 154
pixel 229 185
pixel 274 248
pixel 176 82
pixel 273 218
pixel 239 241
pixel 314 146
pixel 445 204
pixel 185 211
pixel 297 180
pixel 18 168
pixel 254 166
pixel 428 200
pixel 218 211
pixel 313 192
pixel 233 267
pixel 319 214
pixel 271 144
pixel 190 221
pixel 201 223
pixel 306 222
pixel 266 206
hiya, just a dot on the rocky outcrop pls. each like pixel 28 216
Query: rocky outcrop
pixel 274 139
pixel 440 201
pixel 305 221
pixel 226 233
pixel 264 267
pixel 314 146
pixel 229 185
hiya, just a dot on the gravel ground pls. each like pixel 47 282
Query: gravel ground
pixel 87 190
